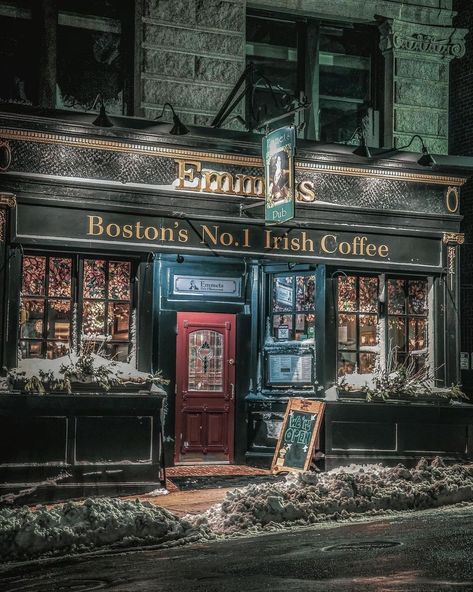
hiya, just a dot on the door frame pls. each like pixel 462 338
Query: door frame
pixel 226 323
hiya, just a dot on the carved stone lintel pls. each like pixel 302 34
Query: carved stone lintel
pixel 7 200
pixel 453 238
pixel 423 40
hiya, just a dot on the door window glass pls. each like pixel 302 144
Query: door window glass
pixel 205 371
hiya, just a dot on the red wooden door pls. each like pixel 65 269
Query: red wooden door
pixel 205 387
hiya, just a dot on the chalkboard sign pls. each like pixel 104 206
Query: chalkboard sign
pixel 298 436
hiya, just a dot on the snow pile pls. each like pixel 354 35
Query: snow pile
pixel 310 497
pixel 73 527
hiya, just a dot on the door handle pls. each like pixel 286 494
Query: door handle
pixel 232 391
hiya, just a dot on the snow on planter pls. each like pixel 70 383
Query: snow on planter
pixel 74 527
pixel 339 494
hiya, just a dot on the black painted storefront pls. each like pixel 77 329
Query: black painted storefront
pixel 118 194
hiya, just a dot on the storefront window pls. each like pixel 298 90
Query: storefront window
pixel 48 301
pixel 106 305
pixel 46 306
pixel 357 305
pixel 407 320
pixel 293 307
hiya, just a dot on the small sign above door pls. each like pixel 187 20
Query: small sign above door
pixel 195 285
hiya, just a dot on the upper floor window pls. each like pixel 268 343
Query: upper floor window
pixel 336 67
pixel 64 297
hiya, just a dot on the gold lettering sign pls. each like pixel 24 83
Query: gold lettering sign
pixel 192 177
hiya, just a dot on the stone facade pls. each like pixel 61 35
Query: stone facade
pixel 193 52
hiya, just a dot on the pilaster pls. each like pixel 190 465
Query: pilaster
pixel 7 202
pixel 417 58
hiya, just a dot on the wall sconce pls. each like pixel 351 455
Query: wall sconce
pixel 178 128
pixel 362 148
pixel 102 119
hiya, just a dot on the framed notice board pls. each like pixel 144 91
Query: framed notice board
pixel 298 436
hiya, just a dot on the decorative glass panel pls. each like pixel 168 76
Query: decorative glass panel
pixel 119 280
pixel 93 318
pixel 283 294
pixel 94 278
pixel 119 321
pixel 34 275
pixel 59 319
pixel 417 297
pixel 347 293
pixel 60 277
pixel 205 371
pixel 347 331
pixel 31 318
pixel 368 294
pixel 367 333
pixel 305 292
pixel 396 296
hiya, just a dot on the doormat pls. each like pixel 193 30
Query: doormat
pixel 190 483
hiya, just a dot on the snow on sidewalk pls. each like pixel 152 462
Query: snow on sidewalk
pixel 308 498
pixel 300 500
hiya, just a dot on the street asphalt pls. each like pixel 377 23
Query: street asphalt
pixel 427 551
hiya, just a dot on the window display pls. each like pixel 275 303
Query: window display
pixel 293 307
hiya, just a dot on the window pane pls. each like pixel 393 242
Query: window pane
pixel 396 296
pixel 119 280
pixel 417 334
pixel 367 362
pixel 119 321
pixel 305 292
pixel 31 349
pixel 17 68
pixel 397 333
pixel 57 349
pixel 347 293
pixel 346 362
pixel 368 326
pixel 60 277
pixel 59 319
pixel 117 351
pixel 283 326
pixel 205 372
pixel 94 278
pixel 31 318
pixel 89 56
pixel 93 318
pixel 417 297
pixel 305 326
pixel 368 294
pixel 283 293
pixel 347 331
pixel 34 275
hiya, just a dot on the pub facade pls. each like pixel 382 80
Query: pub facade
pixel 156 259
pixel 149 315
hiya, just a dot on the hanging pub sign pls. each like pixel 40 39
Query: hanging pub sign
pixel 278 158
pixel 298 436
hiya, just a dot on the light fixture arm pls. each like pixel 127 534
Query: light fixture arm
pixel 164 109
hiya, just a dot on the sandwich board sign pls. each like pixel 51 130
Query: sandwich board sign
pixel 298 436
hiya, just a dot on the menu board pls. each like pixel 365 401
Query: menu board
pixel 290 368
pixel 298 436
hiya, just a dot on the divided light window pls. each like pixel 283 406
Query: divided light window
pixel 357 304
pixel 102 302
pixel 292 314
pixel 335 66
